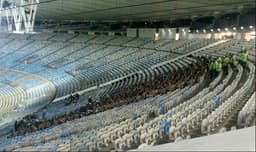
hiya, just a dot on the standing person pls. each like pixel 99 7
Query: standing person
pixel 243 56
pixel 226 62
pixel 232 59
pixel 212 69
pixel 246 55
pixel 15 126
pixel 90 106
pixel 218 65
pixel 161 109
pixel 166 124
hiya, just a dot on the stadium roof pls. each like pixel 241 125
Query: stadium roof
pixel 136 10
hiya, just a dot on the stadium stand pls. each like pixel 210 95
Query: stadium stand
pixel 126 81
pixel 186 106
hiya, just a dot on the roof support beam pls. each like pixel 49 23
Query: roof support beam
pixel 19 19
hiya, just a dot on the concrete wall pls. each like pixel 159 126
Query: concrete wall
pixel 167 33
pixel 111 33
pixel 199 36
pixel 91 33
pixel 147 33
pixel 132 32
pixel 183 33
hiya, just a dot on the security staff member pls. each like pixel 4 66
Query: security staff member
pixel 243 56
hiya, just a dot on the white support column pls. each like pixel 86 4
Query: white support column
pixel 9 19
pixel 21 14
pixel 29 13
pixel 1 6
pixel 17 19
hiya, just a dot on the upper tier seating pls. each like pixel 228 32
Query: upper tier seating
pixel 232 46
pixel 42 36
pixel 62 37
pixel 101 39
pixel 82 38
pixel 137 42
pixel 119 40
pixel 156 44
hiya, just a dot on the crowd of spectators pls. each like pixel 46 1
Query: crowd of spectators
pixel 160 85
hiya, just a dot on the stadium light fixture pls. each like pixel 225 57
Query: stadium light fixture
pixel 197 31
pixel 241 27
pixel 228 33
pixel 212 30
pixel 157 36
pixel 177 36
pixel 204 31
pixel 234 28
pixel 251 27
pixel 222 33
pixel 226 29
pixel 218 29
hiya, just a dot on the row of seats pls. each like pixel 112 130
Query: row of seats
pixel 129 132
pixel 97 68
pixel 120 41
pixel 106 118
pixel 91 137
pixel 54 74
pixel 233 46
pixel 50 59
pixel 157 44
pixel 127 82
pixel 22 93
pixel 43 55
pixel 185 45
pixel 221 113
pixel 191 113
pixel 247 114
pixel 218 101
pixel 122 144
pixel 13 46
pixel 104 104
pixel 182 125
